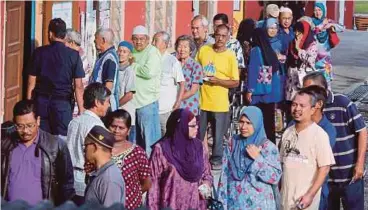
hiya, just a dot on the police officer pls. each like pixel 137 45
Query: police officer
pixel 55 73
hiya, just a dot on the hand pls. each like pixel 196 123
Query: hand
pixel 176 106
pixel 305 201
pixel 213 80
pixel 325 21
pixel 253 151
pixel 131 60
pixel 297 44
pixel 358 172
pixel 89 167
pixel 248 96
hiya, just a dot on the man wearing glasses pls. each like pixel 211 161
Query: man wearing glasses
pixel 35 165
pixel 220 69
pixel 96 99
pixel 106 186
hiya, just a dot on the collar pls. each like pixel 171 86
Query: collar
pixel 123 67
pixel 330 97
pixel 282 30
pixel 323 121
pixel 92 114
pixel 102 169
pixel 105 52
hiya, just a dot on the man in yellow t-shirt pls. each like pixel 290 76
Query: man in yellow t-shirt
pixel 220 72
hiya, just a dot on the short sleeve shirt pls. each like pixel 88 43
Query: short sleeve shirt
pixel 126 85
pixel 301 155
pixel 55 67
pixel 192 72
pixel 171 75
pixel 106 186
pixel 222 65
pixel 234 45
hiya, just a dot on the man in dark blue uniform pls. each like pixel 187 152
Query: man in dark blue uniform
pixel 55 73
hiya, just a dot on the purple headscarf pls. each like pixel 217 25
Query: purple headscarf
pixel 185 153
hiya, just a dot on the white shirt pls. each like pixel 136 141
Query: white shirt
pixel 171 75
pixel 77 131
pixel 127 84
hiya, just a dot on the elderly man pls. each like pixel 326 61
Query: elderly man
pixel 220 70
pixel 199 27
pixel 286 31
pixel 106 66
pixel 147 67
pixel 96 101
pixel 172 79
pixel 233 44
pixel 346 182
pixel 272 10
pixel 56 68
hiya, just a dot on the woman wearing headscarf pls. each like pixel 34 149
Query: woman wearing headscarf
pixel 251 167
pixel 266 73
pixel 181 177
pixel 321 27
pixel 244 36
pixel 302 54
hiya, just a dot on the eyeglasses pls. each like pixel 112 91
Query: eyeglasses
pixel 21 127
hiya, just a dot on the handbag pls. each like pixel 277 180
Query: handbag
pixel 213 203
pixel 333 38
pixel 264 79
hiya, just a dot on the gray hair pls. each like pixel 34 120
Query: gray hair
pixel 318 79
pixel 203 19
pixel 185 38
pixel 165 36
pixel 107 34
pixel 73 36
pixel 313 97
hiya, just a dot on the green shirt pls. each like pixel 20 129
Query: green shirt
pixel 148 72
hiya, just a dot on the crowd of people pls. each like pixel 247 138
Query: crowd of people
pixel 144 115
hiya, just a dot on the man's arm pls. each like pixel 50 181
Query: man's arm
pixel 126 98
pixel 307 198
pixel 362 148
pixel 30 86
pixel 150 68
pixel 79 89
pixel 179 96
pixel 108 74
pixel 224 83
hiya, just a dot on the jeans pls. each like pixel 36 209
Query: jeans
pixel 55 115
pixel 132 134
pixel 148 126
pixel 219 124
pixel 352 195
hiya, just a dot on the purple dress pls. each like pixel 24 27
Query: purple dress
pixel 169 189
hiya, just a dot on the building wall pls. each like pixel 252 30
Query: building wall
pixel 237 18
pixel 184 15
pixel 134 15
pixel 252 9
pixel 227 8
pixel 2 54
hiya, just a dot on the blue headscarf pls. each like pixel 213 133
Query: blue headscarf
pixel 240 161
pixel 272 21
pixel 323 35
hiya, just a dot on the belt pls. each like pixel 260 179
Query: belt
pixel 50 96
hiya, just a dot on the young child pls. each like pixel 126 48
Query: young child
pixel 127 83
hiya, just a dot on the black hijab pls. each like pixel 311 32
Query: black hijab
pixel 261 40
pixel 245 31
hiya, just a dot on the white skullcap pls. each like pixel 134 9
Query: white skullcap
pixel 286 10
pixel 273 10
pixel 140 30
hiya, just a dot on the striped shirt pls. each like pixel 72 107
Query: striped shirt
pixel 344 115
pixel 77 131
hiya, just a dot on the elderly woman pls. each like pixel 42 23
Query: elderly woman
pixel 251 167
pixel 181 176
pixel 267 60
pixel 301 60
pixel 192 72
pixel 130 158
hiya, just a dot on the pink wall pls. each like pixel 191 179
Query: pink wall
pixel 252 9
pixel 135 14
pixel 184 15
pixel 2 27
pixel 227 8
